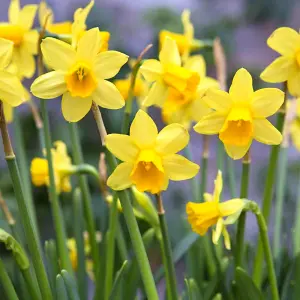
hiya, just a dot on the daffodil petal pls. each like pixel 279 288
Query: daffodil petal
pixel 226 238
pixel 206 83
pixel 198 109
pixel 75 108
pixel 218 100
pixel 49 85
pixel 231 207
pixel 107 95
pixel 13 11
pixel 89 45
pixel 108 63
pixel 208 197
pixel 151 69
pixel 25 61
pixel 169 53
pixel 171 139
pixel 237 152
pixel 120 178
pixel 284 40
pixel 58 55
pixel 179 168
pixel 266 102
pixel 218 231
pixel 241 88
pixel 293 83
pixel 122 146
pixel 8 112
pixel 143 130
pixel 30 41
pixel 278 70
pixel 295 134
pixel 157 95
pixel 197 64
pixel 11 89
pixel 218 187
pixel 264 132
pixel 27 15
pixel 210 124
pixel 6 51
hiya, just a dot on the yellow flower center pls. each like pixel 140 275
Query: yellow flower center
pixel 148 172
pixel 11 32
pixel 81 81
pixel 183 80
pixel 201 216
pixel 238 128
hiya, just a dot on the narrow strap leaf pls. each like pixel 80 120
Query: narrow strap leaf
pixel 70 285
pixel 118 280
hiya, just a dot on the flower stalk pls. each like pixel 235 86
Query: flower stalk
pixel 268 192
pixel 166 251
pixel 130 219
pixel 239 254
pixel 33 245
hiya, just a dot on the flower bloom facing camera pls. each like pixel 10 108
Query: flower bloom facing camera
pixel 202 216
pixel 61 165
pixel 149 158
pixel 240 115
pixel 167 72
pixel 25 41
pixel 285 41
pixel 80 75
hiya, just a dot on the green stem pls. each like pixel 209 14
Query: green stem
pixel 231 174
pixel 239 252
pixel 263 232
pixel 296 235
pixel 31 237
pixel 121 243
pixel 110 248
pixel 78 233
pixel 30 284
pixel 7 285
pixel 193 181
pixel 220 155
pixel 136 238
pixel 24 170
pixel 167 251
pixel 280 191
pixel 86 197
pixel 268 192
pixel 55 206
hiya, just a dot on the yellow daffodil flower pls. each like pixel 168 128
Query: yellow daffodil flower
pixel 184 109
pixel 202 216
pixel 185 42
pixel 57 28
pixel 80 75
pixel 149 158
pixel 167 72
pixel 62 168
pixel 79 28
pixel 294 126
pixel 285 41
pixel 11 89
pixel 25 40
pixel 240 115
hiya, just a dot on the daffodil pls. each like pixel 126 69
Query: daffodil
pixel 240 115
pixel 166 73
pixel 186 108
pixel 18 30
pixel 185 42
pixel 62 167
pixel 11 89
pixel 79 28
pixel 80 75
pixel 149 158
pixel 46 14
pixel 294 126
pixel 202 216
pixel 285 41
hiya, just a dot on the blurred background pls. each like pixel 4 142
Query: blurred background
pixel 242 25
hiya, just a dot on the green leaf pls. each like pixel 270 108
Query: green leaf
pixel 52 262
pixel 120 274
pixel 61 291
pixel 193 291
pixel 70 285
pixel 217 297
pixel 245 286
pixel 17 250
